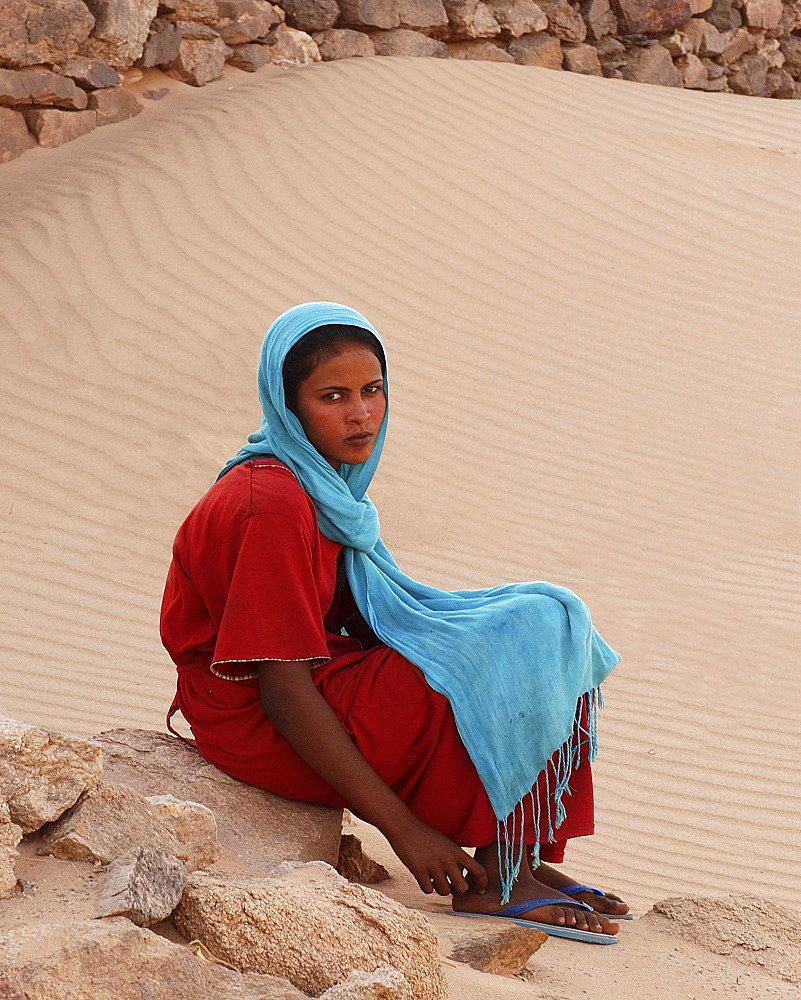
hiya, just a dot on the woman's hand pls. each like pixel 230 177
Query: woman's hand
pixel 436 862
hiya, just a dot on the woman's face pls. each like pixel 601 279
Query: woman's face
pixel 341 405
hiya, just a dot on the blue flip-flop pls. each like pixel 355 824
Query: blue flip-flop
pixel 571 890
pixel 553 930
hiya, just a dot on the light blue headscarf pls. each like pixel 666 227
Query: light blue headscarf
pixel 520 663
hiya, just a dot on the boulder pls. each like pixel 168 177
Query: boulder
pixel 162 45
pixel 651 64
pixel 491 946
pixel 483 51
pixel 89 73
pixel 343 43
pixel 537 50
pixel 780 84
pixel 692 72
pixel 791 17
pixel 310 926
pixel 145 886
pixel 157 764
pixel 749 75
pixel 724 15
pixel 645 17
pixel 119 960
pixel 114 104
pixel 564 21
pixel 599 18
pixel 12 144
pixel 518 17
pixel 791 48
pixel 753 930
pixel 469 19
pixel 762 13
pixel 42 31
pixel 250 57
pixel 368 14
pixel 736 44
pixel 120 31
pixel 194 826
pixel 199 11
pixel 255 23
pixel 612 53
pixel 199 61
pixel 42 773
pixel 403 42
pixel 290 47
pixel 310 15
pixel 704 38
pixel 51 90
pixel 421 15
pixel 581 59
pixel 353 863
pixel 53 127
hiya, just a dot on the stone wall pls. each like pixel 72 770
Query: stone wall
pixel 64 63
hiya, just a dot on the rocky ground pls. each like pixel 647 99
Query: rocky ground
pixel 64 64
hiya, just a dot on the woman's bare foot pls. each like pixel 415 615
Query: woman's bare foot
pixel 608 904
pixel 527 887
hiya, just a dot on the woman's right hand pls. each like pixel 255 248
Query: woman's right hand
pixel 436 862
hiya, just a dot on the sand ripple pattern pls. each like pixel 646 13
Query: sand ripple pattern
pixel 590 291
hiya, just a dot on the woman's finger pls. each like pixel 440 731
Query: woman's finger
pixel 424 881
pixel 477 870
pixel 457 879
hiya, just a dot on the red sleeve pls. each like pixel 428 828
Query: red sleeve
pixel 271 610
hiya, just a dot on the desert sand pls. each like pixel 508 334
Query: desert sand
pixel 589 290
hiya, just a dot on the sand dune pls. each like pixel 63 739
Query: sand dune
pixel 590 293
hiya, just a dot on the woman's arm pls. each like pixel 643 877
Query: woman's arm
pixel 311 728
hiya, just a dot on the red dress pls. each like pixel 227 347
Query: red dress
pixel 252 578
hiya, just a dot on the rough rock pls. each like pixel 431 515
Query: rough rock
pixel 403 42
pixel 310 926
pixel 162 45
pixel 120 960
pixel 310 15
pixel 254 23
pixel 704 38
pixel 753 930
pixel 291 47
pixel 599 18
pixel 791 16
pixel 368 14
pixel 677 44
pixel 612 53
pixel 12 144
pixel 199 11
pixel 651 64
pixel 736 44
pixel 483 51
pixel 40 31
pixel 791 48
pixel 199 61
pixel 750 75
pixel 194 826
pixel 13 91
pixel 250 57
pixel 89 73
pixel 564 21
pixel 383 984
pixel 51 90
pixel 144 886
pixel 157 94
pixel 114 104
pixel 780 84
pixel 421 15
pixel 537 50
pixel 354 864
pixel 762 13
pixel 53 127
pixel 644 17
pixel 518 17
pixel 501 951
pixel 120 31
pixel 723 15
pixel 582 59
pixel 157 764
pixel 469 19
pixel 343 43
pixel 43 773
pixel 692 72
pixel 699 6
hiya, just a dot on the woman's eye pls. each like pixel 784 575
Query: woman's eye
pixel 332 397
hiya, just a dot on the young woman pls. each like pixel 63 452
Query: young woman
pixel 311 666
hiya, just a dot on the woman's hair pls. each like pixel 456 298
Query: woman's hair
pixel 318 345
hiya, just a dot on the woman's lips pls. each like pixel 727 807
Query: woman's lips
pixel 359 438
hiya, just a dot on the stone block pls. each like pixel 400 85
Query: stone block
pixel 564 21
pixel 724 15
pixel 780 84
pixel 89 73
pixel 311 927
pixel 162 45
pixel 199 61
pixel 368 14
pixel 353 863
pixel 12 144
pixel 692 72
pixel 53 127
pixel 158 764
pixel 194 826
pixel 539 49
pixel 343 43
pixel 310 15
pixel 484 24
pixel 51 90
pixel 581 59
pixel 749 75
pixel 120 31
pixel 42 773
pixel 250 57
pixel 791 48
pixel 762 13
pixel 144 886
pixel 44 32
pixel 247 27
pixel 518 17
pixel 651 64
pixel 199 11
pixel 461 17
pixel 704 38
pixel 713 70
pixel 481 51
pixel 12 88
pixel 483 944
pixel 599 18
pixel 736 44
pixel 646 17
pixel 403 42
pixel 290 47
pixel 422 15
pixel 114 104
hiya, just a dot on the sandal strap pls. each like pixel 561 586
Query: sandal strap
pixel 516 909
pixel 571 890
